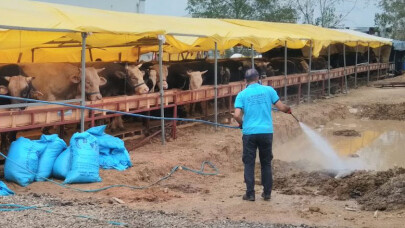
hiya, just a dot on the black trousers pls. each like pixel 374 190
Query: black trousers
pixel 251 143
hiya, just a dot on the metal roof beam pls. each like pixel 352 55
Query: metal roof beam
pixel 35 29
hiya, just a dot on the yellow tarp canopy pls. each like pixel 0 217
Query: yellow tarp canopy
pixel 44 32
pixel 321 37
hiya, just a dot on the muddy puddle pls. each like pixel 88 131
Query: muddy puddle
pixel 373 154
pixel 362 144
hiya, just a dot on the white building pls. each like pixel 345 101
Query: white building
pixel 134 6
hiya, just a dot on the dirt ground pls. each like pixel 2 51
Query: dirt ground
pixel 302 197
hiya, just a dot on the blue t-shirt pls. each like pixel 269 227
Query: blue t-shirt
pixel 256 102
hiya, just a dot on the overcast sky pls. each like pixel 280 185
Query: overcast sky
pixel 362 14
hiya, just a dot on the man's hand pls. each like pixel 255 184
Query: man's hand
pixel 282 107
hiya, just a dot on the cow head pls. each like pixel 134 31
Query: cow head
pixel 21 86
pixel 195 79
pixel 3 90
pixel 135 76
pixel 165 73
pixel 93 83
pixel 263 68
pixel 304 65
pixel 225 75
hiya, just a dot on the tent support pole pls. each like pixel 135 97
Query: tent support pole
pixel 368 65
pixel 162 100
pixel 379 64
pixel 32 55
pixel 253 56
pixel 285 71
pixel 309 72
pixel 83 80
pixel 344 64
pixel 216 84
pixel 139 54
pixel 395 63
pixel 329 70
pixel 356 62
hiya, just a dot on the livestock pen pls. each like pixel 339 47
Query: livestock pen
pixel 105 30
pixel 53 115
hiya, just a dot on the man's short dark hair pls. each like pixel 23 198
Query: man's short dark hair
pixel 251 75
pixel 252 79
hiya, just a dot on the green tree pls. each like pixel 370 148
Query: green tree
pixel 275 10
pixel 391 21
pixel 326 9
pixel 266 10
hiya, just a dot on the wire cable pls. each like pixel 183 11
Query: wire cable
pixel 118 112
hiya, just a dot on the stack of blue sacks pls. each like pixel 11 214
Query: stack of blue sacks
pixel 33 160
pixel 113 154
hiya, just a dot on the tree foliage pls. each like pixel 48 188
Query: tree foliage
pixel 326 11
pixel 391 21
pixel 265 10
pixel 275 10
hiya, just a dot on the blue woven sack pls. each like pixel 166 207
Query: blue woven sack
pixel 113 154
pixel 22 163
pixel 61 166
pixel 85 159
pixel 55 146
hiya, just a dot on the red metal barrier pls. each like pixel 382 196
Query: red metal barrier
pixel 53 115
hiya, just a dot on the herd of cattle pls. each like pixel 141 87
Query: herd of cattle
pixel 61 81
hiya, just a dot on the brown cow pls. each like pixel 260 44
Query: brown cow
pixel 135 76
pixel 122 79
pixel 61 81
pixel 21 86
pixel 136 79
pixel 18 86
pixel 155 77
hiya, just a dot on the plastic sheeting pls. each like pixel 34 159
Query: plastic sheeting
pixel 365 35
pixel 399 45
pixel 111 33
pixel 108 27
pixel 321 37
pixel 4 190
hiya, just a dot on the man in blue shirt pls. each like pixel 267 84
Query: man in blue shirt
pixel 253 113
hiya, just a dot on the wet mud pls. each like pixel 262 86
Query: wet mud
pixel 383 190
pixel 347 133
pixel 381 111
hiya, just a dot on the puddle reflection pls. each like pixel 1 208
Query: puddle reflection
pixel 386 151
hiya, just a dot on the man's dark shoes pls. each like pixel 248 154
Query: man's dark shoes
pixel 266 197
pixel 248 198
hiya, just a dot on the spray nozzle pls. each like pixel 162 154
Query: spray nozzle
pixel 295 117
